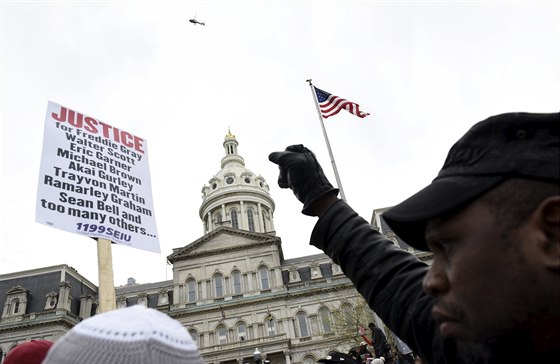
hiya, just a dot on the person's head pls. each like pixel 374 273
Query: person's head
pixel 134 334
pixel 31 352
pixel 371 326
pixel 492 220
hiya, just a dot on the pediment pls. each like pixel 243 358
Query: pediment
pixel 17 289
pixel 223 239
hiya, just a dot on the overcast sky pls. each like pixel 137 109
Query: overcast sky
pixel 425 71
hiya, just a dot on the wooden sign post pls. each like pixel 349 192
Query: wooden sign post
pixel 107 299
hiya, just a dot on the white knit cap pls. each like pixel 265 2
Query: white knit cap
pixel 134 334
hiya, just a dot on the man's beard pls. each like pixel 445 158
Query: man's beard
pixel 500 349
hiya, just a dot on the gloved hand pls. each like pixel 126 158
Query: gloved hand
pixel 300 171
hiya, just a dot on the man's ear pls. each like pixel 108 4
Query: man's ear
pixel 548 216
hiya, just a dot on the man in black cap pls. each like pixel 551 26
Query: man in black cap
pixel 492 220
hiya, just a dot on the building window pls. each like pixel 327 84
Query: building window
pixel 294 274
pixel 234 220
pixel 218 219
pixel 194 336
pixel 263 274
pixel 218 285
pixel 301 318
pixel 236 281
pixel 142 299
pixel 221 333
pixel 325 317
pixel 241 332
pixel 265 217
pixel 251 219
pixel 191 290
pixel 270 327
pixel 15 306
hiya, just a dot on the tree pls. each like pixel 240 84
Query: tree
pixel 345 320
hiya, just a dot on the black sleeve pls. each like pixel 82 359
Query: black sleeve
pixel 389 278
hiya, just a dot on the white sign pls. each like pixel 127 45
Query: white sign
pixel 95 180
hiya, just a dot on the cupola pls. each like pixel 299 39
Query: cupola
pixel 235 196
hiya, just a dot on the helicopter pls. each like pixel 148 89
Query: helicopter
pixel 195 22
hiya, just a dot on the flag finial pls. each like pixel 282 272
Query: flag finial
pixel 229 134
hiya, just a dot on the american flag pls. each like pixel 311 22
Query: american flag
pixel 331 105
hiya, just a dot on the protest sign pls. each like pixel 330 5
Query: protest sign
pixel 94 180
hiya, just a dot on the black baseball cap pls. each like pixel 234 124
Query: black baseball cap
pixel 337 357
pixel 524 145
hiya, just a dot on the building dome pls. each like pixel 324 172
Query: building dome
pixel 235 196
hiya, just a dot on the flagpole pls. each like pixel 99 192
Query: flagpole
pixel 327 141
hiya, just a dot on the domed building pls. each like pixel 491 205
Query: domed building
pixel 235 196
pixel 232 288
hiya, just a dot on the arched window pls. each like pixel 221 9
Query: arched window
pixel 264 218
pixel 191 290
pixel 241 331
pixel 270 324
pixel 234 220
pixel 301 318
pixel 263 275
pixel 325 317
pixel 251 219
pixel 218 285
pixel 236 281
pixel 221 334
pixel 194 335
pixel 218 219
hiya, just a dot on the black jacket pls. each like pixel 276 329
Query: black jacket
pixel 389 278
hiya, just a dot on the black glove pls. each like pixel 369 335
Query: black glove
pixel 300 171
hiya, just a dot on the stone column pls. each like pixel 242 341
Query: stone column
pixel 260 219
pixel 64 297
pixel 287 356
pixel 242 223
pixel 177 299
pixel 86 301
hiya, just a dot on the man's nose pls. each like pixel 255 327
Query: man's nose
pixel 435 282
